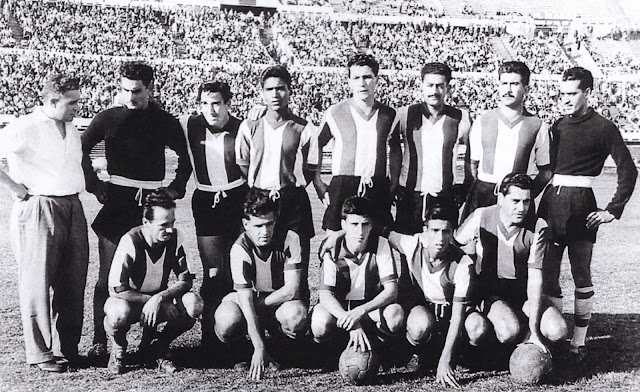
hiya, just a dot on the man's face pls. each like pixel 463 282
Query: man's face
pixel 357 229
pixel 434 89
pixel 214 109
pixel 572 100
pixel 161 226
pixel 65 106
pixel 511 90
pixel 362 82
pixel 260 228
pixel 439 235
pixel 275 94
pixel 134 94
pixel 514 205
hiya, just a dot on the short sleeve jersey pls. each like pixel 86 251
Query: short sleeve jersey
pixel 357 277
pixel 360 142
pixel 442 283
pixel 502 146
pixel 136 266
pixel 263 269
pixel 430 147
pixel 502 254
pixel 277 154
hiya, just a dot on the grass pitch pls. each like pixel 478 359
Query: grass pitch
pixel 613 362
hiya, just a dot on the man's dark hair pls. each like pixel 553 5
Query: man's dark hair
pixel 578 73
pixel 436 69
pixel 215 87
pixel 516 67
pixel 158 198
pixel 276 71
pixel 361 59
pixel 356 205
pixel 519 180
pixel 259 203
pixel 137 70
pixel 58 84
pixel 446 212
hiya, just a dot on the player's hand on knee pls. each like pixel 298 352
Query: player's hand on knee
pixel 256 112
pixel 445 375
pixel 359 340
pixel 596 218
pixel 151 311
pixel 259 361
pixel 350 320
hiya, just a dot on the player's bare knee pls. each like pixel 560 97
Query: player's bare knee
pixel 420 323
pixel 553 326
pixel 394 318
pixel 323 324
pixel 117 312
pixel 507 330
pixel 293 318
pixel 477 327
pixel 193 304
pixel 229 322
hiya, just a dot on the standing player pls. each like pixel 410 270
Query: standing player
pixel 360 128
pixel 135 137
pixel 507 139
pixel 47 226
pixel 430 132
pixel 139 285
pixel 443 276
pixel 582 141
pixel 219 195
pixel 510 251
pixel 279 153
pixel 358 282
pixel 268 278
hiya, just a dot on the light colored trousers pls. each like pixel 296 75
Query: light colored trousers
pixel 49 241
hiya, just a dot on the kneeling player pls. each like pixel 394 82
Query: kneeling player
pixel 510 254
pixel 267 277
pixel 358 284
pixel 442 275
pixel 139 290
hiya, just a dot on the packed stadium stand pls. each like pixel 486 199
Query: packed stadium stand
pixel 191 43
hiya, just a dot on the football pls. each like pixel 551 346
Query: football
pixel 529 364
pixel 358 367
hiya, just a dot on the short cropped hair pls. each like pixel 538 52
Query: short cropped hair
pixel 137 70
pixel 158 198
pixel 519 180
pixel 215 87
pixel 436 69
pixel 57 84
pixel 356 205
pixel 516 67
pixel 578 73
pixel 446 212
pixel 362 59
pixel 276 71
pixel 259 203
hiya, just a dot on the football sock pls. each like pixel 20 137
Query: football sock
pixel 582 315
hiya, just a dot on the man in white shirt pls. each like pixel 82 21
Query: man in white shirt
pixel 47 225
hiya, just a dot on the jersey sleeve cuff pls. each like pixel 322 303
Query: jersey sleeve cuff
pixel 240 286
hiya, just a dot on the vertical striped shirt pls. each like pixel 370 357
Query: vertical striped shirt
pixel 357 278
pixel 430 147
pixel 212 153
pixel 502 147
pixel 277 154
pixel 447 282
pixel 136 266
pixel 360 142
pixel 263 269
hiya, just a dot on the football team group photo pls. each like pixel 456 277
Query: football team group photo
pixel 319 195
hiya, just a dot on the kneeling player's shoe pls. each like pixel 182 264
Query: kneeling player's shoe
pixel 577 354
pixel 166 365
pixel 115 365
pixel 98 354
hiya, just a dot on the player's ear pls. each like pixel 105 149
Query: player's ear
pixel 343 224
pixel 245 223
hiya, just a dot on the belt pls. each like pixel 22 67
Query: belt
pixel 572 181
pixel 492 178
pixel 139 184
pixel 218 188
